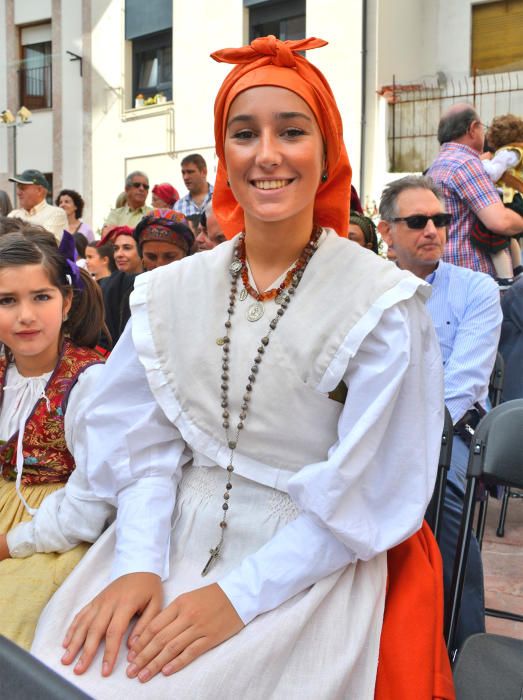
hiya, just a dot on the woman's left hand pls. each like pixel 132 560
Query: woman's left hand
pixel 191 625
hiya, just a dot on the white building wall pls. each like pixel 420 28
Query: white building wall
pixel 5 139
pixel 28 11
pixel 72 87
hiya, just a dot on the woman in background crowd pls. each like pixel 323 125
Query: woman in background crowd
pixel 99 258
pixel 5 203
pixel 164 196
pixel 163 237
pixel 73 205
pixel 363 231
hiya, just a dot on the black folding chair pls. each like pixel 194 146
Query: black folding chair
pixel 489 667
pixel 22 677
pixel 435 510
pixel 495 391
pixel 495 458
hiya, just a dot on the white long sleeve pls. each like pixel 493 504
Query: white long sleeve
pixel 373 490
pixel 503 160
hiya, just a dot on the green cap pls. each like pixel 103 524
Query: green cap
pixel 31 177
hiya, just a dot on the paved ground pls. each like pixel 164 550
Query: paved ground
pixel 503 564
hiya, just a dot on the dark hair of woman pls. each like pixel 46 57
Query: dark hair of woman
pixel 35 246
pixel 77 199
pixel 80 242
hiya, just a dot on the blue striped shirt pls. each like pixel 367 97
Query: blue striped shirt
pixel 466 312
pixel 188 207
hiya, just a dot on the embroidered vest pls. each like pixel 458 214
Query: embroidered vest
pixel 293 420
pixel 46 457
pixel 512 180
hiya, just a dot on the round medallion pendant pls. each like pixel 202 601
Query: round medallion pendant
pixel 243 294
pixel 235 266
pixel 255 311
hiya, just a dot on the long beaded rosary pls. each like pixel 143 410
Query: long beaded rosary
pixel 283 295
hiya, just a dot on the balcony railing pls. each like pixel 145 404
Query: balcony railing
pixel 36 86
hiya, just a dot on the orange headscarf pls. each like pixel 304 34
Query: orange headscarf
pixel 269 61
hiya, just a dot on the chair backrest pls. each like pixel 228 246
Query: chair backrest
pixel 489 666
pixel 435 508
pixel 497 379
pixel 496 453
pixel 22 677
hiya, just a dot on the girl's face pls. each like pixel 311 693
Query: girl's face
pixel 126 255
pixel 66 203
pixel 96 265
pixel 274 154
pixel 31 316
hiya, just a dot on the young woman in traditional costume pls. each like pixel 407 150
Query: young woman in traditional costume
pixel 51 315
pixel 262 479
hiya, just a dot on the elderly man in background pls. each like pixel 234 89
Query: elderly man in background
pixel 210 233
pixel 466 312
pixel 137 189
pixel 32 188
pixel 467 189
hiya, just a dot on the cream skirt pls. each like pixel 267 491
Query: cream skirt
pixel 321 644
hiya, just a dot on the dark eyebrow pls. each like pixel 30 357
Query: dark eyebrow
pixel 280 116
pixel 33 291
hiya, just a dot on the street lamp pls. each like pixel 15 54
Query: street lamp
pixel 23 117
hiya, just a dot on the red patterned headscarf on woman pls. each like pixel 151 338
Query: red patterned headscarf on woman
pixel 269 61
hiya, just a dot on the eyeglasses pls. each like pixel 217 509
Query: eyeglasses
pixel 139 184
pixel 419 221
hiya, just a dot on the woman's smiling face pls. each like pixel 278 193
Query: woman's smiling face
pixel 273 153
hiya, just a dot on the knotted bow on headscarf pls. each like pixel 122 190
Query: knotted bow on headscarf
pixel 269 61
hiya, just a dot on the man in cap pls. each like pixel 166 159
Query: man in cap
pixel 32 188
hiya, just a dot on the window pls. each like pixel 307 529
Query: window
pixel 286 20
pixel 35 67
pixel 149 28
pixel 152 66
pixel 497 31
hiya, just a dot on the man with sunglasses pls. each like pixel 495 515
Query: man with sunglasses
pixel 468 191
pixel 465 309
pixel 137 189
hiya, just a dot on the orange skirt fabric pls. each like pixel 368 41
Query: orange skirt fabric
pixel 413 662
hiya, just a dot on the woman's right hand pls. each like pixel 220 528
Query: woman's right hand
pixel 108 616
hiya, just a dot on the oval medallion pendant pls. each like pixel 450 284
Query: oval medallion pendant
pixel 235 266
pixel 255 311
pixel 243 294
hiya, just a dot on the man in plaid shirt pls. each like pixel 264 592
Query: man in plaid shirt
pixel 467 189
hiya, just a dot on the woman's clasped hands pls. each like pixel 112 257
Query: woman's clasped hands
pixel 165 641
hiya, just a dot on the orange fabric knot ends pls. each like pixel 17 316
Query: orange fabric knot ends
pixel 279 53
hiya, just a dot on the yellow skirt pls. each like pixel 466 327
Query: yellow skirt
pixel 27 584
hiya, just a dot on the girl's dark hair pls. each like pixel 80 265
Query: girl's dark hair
pixel 80 242
pixel 77 199
pixel 85 321
pixel 106 250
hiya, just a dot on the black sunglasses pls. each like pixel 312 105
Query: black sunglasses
pixel 139 184
pixel 419 221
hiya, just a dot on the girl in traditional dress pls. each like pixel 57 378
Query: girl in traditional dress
pixel 51 315
pixel 269 429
